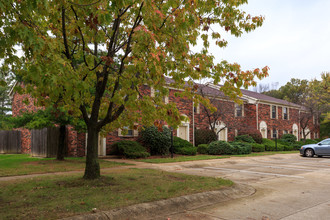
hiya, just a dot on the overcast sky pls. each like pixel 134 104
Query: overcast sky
pixel 294 41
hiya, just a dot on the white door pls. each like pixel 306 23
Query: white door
pixel 102 146
pixel 183 132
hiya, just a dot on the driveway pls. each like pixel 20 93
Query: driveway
pixel 288 187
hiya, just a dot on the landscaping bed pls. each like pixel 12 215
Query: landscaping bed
pixel 56 197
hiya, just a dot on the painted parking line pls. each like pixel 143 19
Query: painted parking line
pixel 253 172
pixel 312 164
pixel 277 167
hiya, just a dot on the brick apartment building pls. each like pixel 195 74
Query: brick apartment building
pixel 271 116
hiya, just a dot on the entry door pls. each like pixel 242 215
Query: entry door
pixel 102 146
pixel 183 132
pixel 222 135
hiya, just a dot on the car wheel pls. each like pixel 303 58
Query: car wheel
pixel 309 153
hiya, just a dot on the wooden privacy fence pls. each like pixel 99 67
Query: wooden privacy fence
pixel 44 142
pixel 10 142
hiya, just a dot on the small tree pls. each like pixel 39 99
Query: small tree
pixel 45 118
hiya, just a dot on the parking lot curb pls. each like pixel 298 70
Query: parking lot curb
pixel 152 210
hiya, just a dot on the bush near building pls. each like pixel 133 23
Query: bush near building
pixel 130 149
pixel 203 149
pixel 204 136
pixel 220 147
pixel 183 147
pixel 158 142
pixel 241 148
pixel 258 147
pixel 245 138
pixel 254 133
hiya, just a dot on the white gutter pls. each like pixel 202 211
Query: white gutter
pixel 193 119
pixel 257 114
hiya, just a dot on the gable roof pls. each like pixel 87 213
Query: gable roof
pixel 266 98
pixel 214 90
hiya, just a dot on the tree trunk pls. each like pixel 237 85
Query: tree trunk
pixel 92 170
pixel 61 145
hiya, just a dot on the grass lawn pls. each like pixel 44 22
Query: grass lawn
pixel 22 164
pixel 210 157
pixel 55 197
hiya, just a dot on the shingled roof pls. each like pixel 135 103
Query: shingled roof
pixel 212 91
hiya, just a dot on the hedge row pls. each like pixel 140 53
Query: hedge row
pixel 156 142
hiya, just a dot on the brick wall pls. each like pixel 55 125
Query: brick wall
pixel 77 141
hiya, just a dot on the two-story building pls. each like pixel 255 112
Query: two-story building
pixel 272 117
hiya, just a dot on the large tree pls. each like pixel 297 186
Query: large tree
pixel 93 57
pixel 295 91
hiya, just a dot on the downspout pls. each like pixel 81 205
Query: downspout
pixel 299 126
pixel 193 119
pixel 257 114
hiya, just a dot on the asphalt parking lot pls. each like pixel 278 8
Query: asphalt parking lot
pixel 287 187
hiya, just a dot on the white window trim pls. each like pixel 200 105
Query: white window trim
pixel 236 110
pixel 166 99
pixel 271 111
pixel 152 92
pixel 271 131
pixel 287 113
pixel 135 133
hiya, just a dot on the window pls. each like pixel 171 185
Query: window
pixel 197 109
pixel 238 110
pixel 156 93
pixel 273 111
pixel 285 113
pixel 129 132
pixel 274 133
pixel 285 131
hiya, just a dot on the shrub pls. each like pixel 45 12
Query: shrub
pixel 309 141
pixel 183 147
pixel 220 147
pixel 180 143
pixel 283 142
pixel 241 148
pixel 204 136
pixel 287 147
pixel 203 149
pixel 258 147
pixel 254 133
pixel 131 149
pixel 270 145
pixel 187 151
pixel 245 138
pixel 156 141
pixel 297 145
pixel 289 138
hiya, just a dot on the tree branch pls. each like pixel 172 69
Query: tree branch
pixel 67 53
